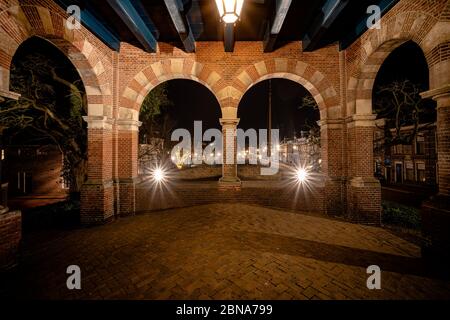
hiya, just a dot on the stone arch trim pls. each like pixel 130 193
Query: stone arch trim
pixel 312 79
pixel 88 55
pixel 155 74
pixel 373 48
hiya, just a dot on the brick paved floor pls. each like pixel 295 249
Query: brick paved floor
pixel 228 251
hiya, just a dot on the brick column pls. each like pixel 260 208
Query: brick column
pixel 97 193
pixel 436 211
pixel 363 189
pixel 127 158
pixel 332 141
pixel 229 166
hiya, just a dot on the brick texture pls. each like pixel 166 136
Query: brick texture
pixel 340 82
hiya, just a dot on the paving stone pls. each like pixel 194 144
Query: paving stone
pixel 224 251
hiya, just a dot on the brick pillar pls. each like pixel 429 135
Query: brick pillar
pixel 127 158
pixel 332 141
pixel 436 211
pixel 97 203
pixel 229 166
pixel 363 189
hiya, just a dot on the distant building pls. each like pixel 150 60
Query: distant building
pixel 301 151
pixel 150 154
pixel 34 170
pixel 414 163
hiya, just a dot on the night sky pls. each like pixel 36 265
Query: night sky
pixel 406 62
pixel 192 101
pixel 287 116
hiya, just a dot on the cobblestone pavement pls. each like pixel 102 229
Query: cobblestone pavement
pixel 221 251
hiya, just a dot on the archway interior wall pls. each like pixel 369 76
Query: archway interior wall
pixel 228 76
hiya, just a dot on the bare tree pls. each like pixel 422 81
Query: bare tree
pixel 41 111
pixel 401 105
pixel 313 139
pixel 157 124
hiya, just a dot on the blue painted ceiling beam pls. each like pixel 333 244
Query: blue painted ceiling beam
pixel 361 27
pixel 131 17
pixel 274 28
pixel 330 12
pixel 89 20
pixel 228 37
pixel 175 8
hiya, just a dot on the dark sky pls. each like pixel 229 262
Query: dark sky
pixel 406 62
pixel 191 102
pixel 286 115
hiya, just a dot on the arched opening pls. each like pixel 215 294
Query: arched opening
pixel 291 112
pixel 178 105
pixel 44 136
pixel 405 155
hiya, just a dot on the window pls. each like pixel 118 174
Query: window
pixel 397 149
pixel 407 149
pixel 420 145
pixel 421 176
pixel 409 171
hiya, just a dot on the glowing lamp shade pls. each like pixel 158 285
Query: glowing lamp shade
pixel 229 10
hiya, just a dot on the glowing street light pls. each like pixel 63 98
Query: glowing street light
pixel 229 10
pixel 159 175
pixel 302 175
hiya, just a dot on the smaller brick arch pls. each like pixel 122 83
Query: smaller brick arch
pixel 21 22
pixel 162 71
pixel 306 75
pixel 375 46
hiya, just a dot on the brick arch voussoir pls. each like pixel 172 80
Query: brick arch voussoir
pixel 19 23
pixel 377 44
pixel 168 69
pixel 306 75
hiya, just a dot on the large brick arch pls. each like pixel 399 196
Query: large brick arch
pixel 19 22
pixel 298 71
pixel 372 49
pixel 162 71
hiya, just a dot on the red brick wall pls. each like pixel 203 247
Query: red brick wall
pixel 185 194
pixel 340 82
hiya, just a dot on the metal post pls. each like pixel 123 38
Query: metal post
pixel 269 144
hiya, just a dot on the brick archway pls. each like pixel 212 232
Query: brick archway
pixel 93 61
pixel 128 123
pixel 19 23
pixel 365 57
pixel 300 72
pixel 162 71
pixel 375 46
pixel 325 94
